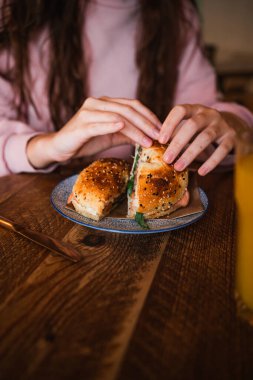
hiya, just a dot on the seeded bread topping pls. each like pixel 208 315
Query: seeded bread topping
pixel 157 185
pixel 99 187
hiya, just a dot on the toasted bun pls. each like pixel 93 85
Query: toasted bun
pixel 99 187
pixel 158 186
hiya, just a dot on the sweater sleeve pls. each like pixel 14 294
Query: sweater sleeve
pixel 14 135
pixel 197 81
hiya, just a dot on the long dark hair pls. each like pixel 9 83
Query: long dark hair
pixel 162 35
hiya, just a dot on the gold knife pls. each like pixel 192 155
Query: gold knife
pixel 58 247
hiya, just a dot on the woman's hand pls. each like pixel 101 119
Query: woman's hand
pixel 191 130
pixel 99 124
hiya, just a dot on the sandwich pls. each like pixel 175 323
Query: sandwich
pixel 155 188
pixel 100 187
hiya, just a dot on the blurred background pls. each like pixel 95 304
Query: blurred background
pixel 228 36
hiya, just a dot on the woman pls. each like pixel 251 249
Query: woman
pixel 71 71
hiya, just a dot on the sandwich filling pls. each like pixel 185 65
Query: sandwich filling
pixel 131 182
pixel 157 187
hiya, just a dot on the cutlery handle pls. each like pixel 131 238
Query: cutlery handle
pixel 46 241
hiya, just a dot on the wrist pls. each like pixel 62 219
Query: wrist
pixel 40 151
pixel 234 121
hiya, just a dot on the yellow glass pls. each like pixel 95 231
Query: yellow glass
pixel 244 202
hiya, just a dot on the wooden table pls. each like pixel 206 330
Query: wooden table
pixel 137 307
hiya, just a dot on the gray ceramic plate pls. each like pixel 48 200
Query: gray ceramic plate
pixel 60 195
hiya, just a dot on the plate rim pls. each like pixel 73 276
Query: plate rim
pixel 199 215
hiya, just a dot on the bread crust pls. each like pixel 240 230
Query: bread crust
pixel 99 186
pixel 158 186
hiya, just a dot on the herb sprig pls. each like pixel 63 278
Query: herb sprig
pixel 139 218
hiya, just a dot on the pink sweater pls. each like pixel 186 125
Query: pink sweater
pixel 110 41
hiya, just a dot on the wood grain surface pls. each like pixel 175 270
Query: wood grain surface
pixel 136 307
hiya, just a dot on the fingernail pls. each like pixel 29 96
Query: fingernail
pixel 162 139
pixel 180 165
pixel 168 157
pixel 146 142
pixel 203 170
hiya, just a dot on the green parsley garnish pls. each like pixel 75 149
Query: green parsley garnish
pixel 139 218
pixel 130 186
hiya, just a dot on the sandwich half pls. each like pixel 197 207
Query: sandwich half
pixel 155 188
pixel 100 187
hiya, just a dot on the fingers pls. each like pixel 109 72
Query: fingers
pixel 67 142
pixel 175 117
pixel 136 136
pixel 90 119
pixel 206 153
pixel 191 130
pixel 137 125
pixel 219 154
pixel 201 142
pixel 102 128
pixel 138 106
pixel 133 116
pixel 100 121
pixel 184 136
